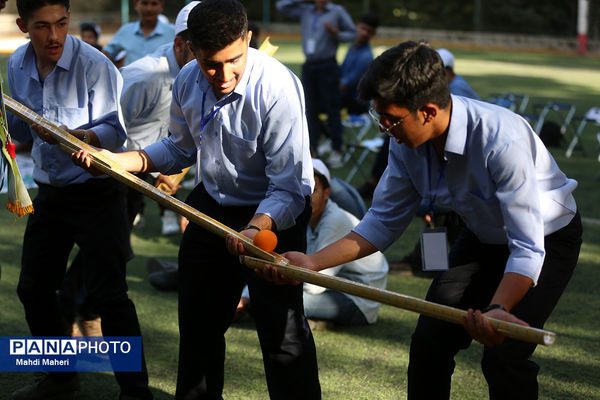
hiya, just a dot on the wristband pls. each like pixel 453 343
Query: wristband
pixel 250 227
pixel 493 307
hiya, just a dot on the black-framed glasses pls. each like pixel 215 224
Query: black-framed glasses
pixel 377 119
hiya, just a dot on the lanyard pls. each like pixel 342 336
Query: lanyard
pixel 437 186
pixel 205 120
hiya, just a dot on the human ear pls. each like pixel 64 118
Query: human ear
pixel 22 25
pixel 429 112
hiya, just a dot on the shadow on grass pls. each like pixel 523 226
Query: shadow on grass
pixel 94 385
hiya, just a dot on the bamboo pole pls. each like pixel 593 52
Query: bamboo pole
pixel 71 144
pixel 410 303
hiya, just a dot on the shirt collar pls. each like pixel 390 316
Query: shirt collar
pixel 28 63
pixel 159 29
pixel 457 130
pixel 240 89
pixel 327 7
pixel 67 56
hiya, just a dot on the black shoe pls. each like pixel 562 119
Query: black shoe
pixel 165 281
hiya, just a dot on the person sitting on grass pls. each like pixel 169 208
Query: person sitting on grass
pixel 328 223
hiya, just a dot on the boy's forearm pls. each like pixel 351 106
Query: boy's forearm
pixel 134 161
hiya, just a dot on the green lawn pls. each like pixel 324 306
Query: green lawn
pixel 370 362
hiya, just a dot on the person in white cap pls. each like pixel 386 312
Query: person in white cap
pixel 146 100
pixel 458 84
pixel 328 223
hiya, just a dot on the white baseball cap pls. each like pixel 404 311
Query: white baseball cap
pixel 182 17
pixel 447 58
pixel 322 169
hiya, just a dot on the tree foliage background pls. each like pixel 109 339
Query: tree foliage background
pixel 543 17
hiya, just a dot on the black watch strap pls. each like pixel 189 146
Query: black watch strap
pixel 493 307
pixel 250 227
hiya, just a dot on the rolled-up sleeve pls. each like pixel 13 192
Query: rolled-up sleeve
pixel 511 168
pixel 395 202
pixel 177 151
pixel 105 109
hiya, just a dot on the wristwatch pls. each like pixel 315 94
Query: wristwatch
pixel 493 307
pixel 250 227
pixel 86 137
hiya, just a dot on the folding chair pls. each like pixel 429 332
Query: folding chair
pixel 562 110
pixel 359 125
pixel 592 116
pixel 367 146
pixel 513 101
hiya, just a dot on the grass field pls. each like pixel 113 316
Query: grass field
pixel 370 362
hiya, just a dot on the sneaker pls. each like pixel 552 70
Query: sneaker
pixel 46 388
pixel 169 223
pixel 155 264
pixel 335 159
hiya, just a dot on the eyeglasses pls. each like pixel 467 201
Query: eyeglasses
pixel 377 119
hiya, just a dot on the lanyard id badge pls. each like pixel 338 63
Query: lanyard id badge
pixel 434 241
pixel 311 45
pixel 434 249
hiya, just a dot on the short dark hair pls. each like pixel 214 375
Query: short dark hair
pixel 371 20
pixel 322 178
pixel 25 8
pixel 89 26
pixel 215 24
pixel 184 35
pixel 410 75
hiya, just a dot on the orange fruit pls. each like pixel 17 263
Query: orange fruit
pixel 265 240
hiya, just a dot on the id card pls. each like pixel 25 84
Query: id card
pixel 434 249
pixel 311 45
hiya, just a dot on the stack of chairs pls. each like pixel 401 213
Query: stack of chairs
pixel 592 116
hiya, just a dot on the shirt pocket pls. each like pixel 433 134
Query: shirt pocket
pixel 238 148
pixel 73 117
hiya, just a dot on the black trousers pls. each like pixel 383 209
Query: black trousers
pixel 321 81
pixel 210 285
pixel 506 367
pixel 91 215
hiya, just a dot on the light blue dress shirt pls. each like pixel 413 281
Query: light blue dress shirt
pixel 130 38
pixel 460 87
pixel 255 148
pixel 499 178
pixel 82 92
pixel 324 45
pixel 146 98
pixel 355 64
